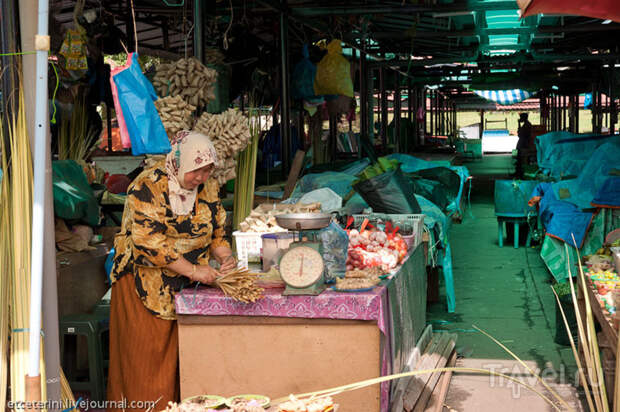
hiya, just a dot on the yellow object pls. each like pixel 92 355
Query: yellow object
pixel 333 73
pixel 73 49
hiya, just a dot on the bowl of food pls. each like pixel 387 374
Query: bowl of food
pixel 243 400
pixel 206 401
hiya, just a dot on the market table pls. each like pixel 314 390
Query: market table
pixel 295 344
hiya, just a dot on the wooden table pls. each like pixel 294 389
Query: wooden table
pixel 284 345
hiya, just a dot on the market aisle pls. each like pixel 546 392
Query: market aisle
pixel 503 291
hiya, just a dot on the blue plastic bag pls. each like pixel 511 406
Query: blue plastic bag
pixel 109 264
pixel 303 77
pixel 335 242
pixel 136 95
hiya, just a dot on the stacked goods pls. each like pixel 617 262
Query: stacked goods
pixel 360 279
pixel 187 78
pixel 230 134
pixel 375 248
pixel 175 113
pixel 263 218
pixel 240 285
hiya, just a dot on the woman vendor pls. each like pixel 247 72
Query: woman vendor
pixel 173 224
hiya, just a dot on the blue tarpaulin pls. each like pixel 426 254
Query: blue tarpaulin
pixel 609 193
pixel 504 97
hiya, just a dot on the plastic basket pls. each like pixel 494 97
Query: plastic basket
pixel 416 221
pixel 248 246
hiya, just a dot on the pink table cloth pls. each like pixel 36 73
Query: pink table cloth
pixel 367 305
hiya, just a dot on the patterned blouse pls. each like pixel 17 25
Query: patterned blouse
pixel 152 237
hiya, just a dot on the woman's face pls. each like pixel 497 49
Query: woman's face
pixel 197 177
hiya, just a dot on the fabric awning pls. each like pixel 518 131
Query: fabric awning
pixel 600 9
pixel 504 97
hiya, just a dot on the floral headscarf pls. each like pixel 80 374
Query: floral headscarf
pixel 190 151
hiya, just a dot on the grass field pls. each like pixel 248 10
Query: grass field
pixel 468 118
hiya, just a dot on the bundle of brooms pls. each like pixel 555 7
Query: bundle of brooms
pixel 240 285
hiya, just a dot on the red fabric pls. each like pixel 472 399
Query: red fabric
pixel 600 9
pixel 117 184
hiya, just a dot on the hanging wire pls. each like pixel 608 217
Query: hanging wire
pixel 167 3
pixel 230 23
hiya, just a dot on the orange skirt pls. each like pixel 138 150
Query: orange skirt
pixel 144 353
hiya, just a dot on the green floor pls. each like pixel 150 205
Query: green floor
pixel 503 291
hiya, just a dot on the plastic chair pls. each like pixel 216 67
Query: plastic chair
pixel 92 326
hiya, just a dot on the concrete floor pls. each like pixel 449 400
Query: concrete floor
pixel 506 292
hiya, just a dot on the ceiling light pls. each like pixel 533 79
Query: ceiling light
pixel 606 21
pixel 562 68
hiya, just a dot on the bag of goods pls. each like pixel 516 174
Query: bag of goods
pixel 302 81
pixel 375 248
pixel 386 189
pixel 333 73
pixel 335 242
pixel 136 97
pixel 176 114
pixel 188 78
pixel 230 134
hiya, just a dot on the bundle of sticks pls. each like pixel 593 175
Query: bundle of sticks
pixel 240 285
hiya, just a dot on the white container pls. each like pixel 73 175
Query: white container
pixel 248 246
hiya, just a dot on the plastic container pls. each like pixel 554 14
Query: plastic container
pixel 415 221
pixel 248 246
pixel 511 197
pixel 272 243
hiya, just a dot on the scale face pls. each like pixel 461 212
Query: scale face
pixel 301 269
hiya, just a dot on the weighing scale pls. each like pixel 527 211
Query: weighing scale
pixel 302 267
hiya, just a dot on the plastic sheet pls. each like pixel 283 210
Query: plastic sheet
pixel 73 197
pixel 136 95
pixel 340 183
pixel 328 199
pixel 335 243
pixel 390 192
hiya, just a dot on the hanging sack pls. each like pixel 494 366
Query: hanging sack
pixel 390 192
pixel 303 77
pixel 333 73
pixel 136 95
pixel 120 119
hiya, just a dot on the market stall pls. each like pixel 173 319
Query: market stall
pixel 290 344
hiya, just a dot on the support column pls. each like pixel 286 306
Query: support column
pixel 481 131
pixel 285 124
pixel 198 27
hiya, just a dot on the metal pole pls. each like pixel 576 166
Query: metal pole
pixel 384 108
pixel 481 131
pixel 198 27
pixel 363 98
pixel 613 117
pixel 397 102
pixel 285 125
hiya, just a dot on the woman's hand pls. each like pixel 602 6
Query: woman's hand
pixel 225 258
pixel 205 275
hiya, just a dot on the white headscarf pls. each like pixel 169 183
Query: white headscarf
pixel 190 151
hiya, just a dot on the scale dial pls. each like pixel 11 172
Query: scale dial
pixel 301 267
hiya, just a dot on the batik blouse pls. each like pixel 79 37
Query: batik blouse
pixel 152 237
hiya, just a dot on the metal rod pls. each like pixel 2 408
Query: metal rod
pixel 285 125
pixel 452 8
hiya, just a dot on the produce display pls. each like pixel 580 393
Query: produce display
pixel 360 279
pixel 375 248
pixel 251 403
pixel 263 218
pixel 323 404
pixel 230 134
pixel 176 114
pixel 240 285
pixel 188 78
pixel 600 269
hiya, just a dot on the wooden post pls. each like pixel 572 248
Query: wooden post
pixel 397 102
pixel 481 131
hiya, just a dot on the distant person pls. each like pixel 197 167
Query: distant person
pixel 525 135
